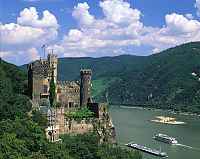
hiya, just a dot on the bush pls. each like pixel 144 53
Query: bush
pixel 83 113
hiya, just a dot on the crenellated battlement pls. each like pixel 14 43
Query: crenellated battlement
pixel 68 83
pixel 86 72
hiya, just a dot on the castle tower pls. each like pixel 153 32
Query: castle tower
pixel 85 87
pixel 39 76
pixel 53 62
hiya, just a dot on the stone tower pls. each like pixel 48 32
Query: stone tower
pixel 85 86
pixel 53 62
pixel 39 76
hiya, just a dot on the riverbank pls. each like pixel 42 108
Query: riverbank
pixel 155 109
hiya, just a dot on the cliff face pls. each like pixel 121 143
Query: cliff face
pixel 60 123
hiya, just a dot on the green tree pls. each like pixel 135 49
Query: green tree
pixel 83 113
pixel 52 91
pixel 39 118
pixel 11 147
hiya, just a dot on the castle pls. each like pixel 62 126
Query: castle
pixel 71 96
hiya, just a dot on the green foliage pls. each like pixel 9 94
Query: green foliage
pixel 113 152
pixel 83 113
pixel 58 104
pixel 87 146
pixel 14 106
pixel 26 130
pixel 11 147
pixel 100 87
pixel 39 118
pixel 11 78
pixel 52 92
pixel 12 85
pixel 166 81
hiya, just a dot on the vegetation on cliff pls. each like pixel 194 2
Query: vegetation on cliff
pixel 83 113
pixel 22 133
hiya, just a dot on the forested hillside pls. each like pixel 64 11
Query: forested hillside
pixel 166 81
pixel 22 133
pixel 13 102
pixel 161 80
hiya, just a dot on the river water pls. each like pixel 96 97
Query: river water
pixel 134 124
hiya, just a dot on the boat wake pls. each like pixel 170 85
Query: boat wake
pixel 186 146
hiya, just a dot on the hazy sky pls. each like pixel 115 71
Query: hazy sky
pixel 95 28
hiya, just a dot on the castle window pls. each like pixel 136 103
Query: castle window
pixel 45 89
pixel 59 90
pixel 71 104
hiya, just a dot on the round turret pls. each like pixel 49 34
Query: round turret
pixel 85 86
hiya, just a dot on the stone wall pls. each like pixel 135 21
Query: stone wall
pixel 58 124
pixel 102 126
pixel 38 79
pixel 68 94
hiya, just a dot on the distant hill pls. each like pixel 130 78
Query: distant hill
pixel 69 68
pixel 166 81
pixel 161 80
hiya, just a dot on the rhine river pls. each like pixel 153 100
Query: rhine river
pixel 134 125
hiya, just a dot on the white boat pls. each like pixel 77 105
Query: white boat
pixel 165 138
pixel 147 150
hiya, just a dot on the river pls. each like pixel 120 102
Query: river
pixel 134 124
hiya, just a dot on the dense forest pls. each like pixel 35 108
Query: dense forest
pixel 22 133
pixel 168 80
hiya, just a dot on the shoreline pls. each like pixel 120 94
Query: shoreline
pixel 156 109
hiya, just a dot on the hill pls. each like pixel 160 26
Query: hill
pixel 162 80
pixel 165 82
